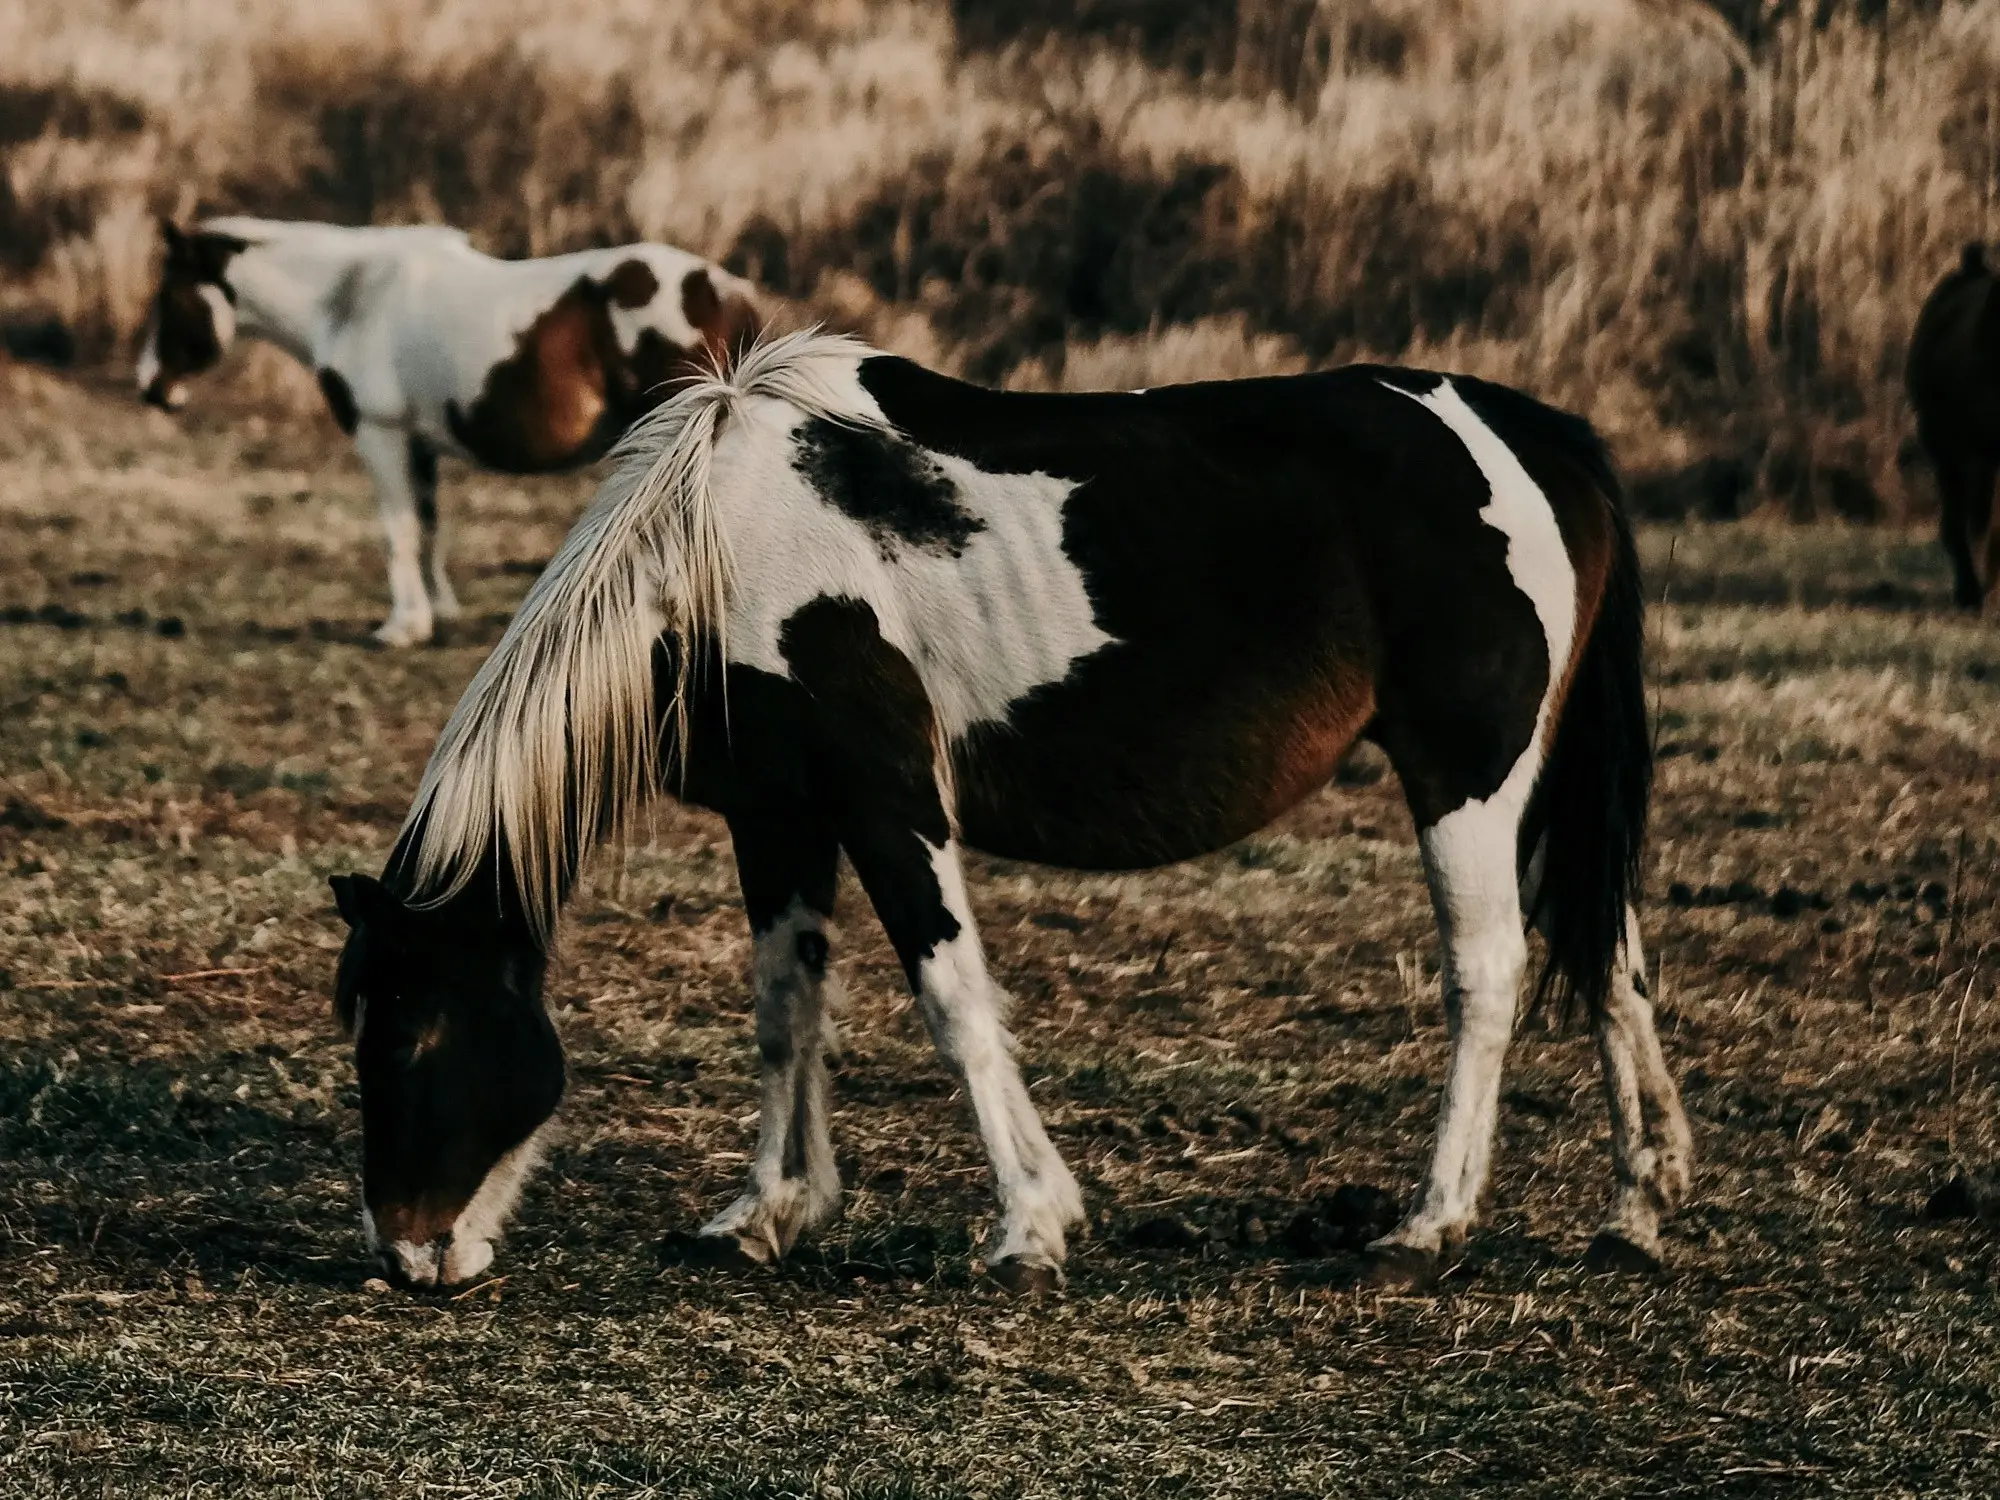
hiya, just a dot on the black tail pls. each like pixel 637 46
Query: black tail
pixel 1589 810
pixel 1972 260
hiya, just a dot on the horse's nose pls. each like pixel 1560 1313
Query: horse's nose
pixel 414 1266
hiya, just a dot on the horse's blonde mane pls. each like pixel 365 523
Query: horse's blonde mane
pixel 555 744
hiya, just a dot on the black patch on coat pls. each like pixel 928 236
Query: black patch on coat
pixel 340 400
pixel 423 468
pixel 870 737
pixel 898 491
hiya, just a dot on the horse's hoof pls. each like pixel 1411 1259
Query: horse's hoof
pixel 1023 1277
pixel 709 1252
pixel 1611 1251
pixel 1391 1265
pixel 399 637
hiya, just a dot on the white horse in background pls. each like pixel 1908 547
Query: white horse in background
pixel 422 345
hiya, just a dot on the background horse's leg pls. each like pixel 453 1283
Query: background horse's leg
pixel 919 891
pixel 1652 1150
pixel 788 866
pixel 386 452
pixel 423 466
pixel 1469 860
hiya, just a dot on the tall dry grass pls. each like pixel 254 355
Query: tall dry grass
pixel 1715 247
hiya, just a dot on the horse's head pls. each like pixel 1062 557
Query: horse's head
pixel 460 1072
pixel 194 313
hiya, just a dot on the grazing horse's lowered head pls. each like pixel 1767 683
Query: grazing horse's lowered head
pixel 460 1073
pixel 193 322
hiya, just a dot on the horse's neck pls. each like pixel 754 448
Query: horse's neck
pixel 282 288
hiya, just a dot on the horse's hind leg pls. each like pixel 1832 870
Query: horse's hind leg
pixel 787 866
pixel 386 453
pixel 1652 1150
pixel 1469 861
pixel 424 489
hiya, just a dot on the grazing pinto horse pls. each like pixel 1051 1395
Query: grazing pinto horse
pixel 1954 381
pixel 423 346
pixel 856 606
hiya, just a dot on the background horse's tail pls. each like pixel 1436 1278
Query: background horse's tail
pixel 556 743
pixel 1589 810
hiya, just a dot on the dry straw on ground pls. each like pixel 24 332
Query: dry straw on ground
pixel 1714 247
pixel 194 734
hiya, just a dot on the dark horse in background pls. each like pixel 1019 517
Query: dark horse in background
pixel 1954 382
pixel 859 608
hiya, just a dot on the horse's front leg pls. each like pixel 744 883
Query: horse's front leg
pixel 918 889
pixel 788 869
pixel 423 466
pixel 385 451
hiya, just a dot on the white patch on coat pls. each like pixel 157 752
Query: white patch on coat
pixel 1007 614
pixel 221 314
pixel 149 356
pixel 1471 855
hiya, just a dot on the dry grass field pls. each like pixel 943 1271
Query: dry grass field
pixel 194 734
pixel 1711 240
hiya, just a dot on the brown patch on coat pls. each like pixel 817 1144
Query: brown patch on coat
pixel 632 284
pixel 340 400
pixel 545 406
pixel 568 391
pixel 1318 731
pixel 727 324
pixel 418 1223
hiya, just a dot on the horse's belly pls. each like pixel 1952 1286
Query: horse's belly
pixel 1106 780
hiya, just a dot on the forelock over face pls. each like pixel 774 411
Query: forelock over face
pixel 460 1073
pixel 193 321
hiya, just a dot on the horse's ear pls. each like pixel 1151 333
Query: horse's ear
pixel 364 901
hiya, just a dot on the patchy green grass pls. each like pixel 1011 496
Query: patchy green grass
pixel 193 735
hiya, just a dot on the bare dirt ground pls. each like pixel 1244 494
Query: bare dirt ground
pixel 194 734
